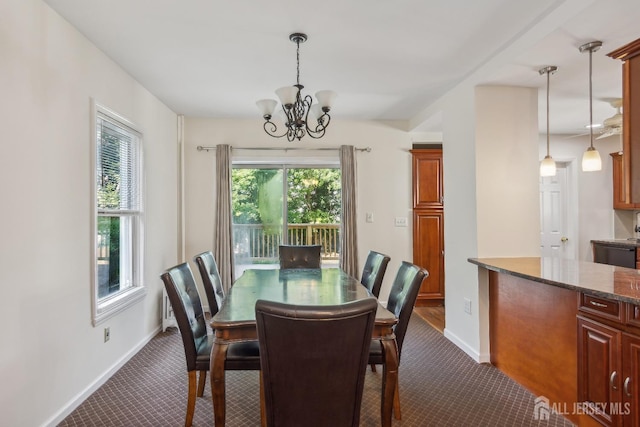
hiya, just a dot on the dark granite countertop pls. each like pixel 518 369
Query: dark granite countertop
pixel 607 281
pixel 623 243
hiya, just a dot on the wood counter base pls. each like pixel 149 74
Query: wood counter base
pixel 533 336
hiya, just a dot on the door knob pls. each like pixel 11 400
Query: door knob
pixel 564 239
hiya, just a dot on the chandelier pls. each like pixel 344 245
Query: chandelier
pixel 302 116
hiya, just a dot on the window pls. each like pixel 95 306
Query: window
pixel 284 204
pixel 118 215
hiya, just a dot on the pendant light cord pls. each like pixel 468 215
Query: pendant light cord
pixel 590 100
pixel 548 112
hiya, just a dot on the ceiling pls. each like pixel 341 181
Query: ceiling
pixel 387 60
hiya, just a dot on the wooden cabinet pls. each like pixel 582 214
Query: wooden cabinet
pixel 428 223
pixel 630 55
pixel 599 369
pixel 427 179
pixel 621 190
pixel 609 361
pixel 428 251
pixel 630 387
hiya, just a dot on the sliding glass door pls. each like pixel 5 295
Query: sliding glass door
pixel 284 205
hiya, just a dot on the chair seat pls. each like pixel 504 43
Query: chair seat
pixel 375 353
pixel 241 356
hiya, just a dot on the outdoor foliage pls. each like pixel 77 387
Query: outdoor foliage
pixel 313 196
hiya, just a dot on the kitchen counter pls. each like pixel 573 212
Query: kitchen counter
pixel 617 283
pixel 533 308
pixel 621 243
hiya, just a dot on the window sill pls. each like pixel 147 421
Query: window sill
pixel 109 308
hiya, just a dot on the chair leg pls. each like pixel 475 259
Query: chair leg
pixel 191 398
pixel 263 409
pixel 396 402
pixel 201 382
pixel 373 367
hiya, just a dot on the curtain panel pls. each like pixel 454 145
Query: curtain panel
pixel 348 223
pixel 223 229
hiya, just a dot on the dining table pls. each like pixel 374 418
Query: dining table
pixel 236 321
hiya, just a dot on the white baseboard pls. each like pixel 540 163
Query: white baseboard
pixel 82 396
pixel 478 357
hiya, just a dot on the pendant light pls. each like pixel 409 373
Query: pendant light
pixel 591 158
pixel 548 165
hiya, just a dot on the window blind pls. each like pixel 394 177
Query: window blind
pixel 118 168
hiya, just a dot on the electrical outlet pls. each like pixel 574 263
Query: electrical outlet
pixel 107 334
pixel 467 305
pixel 400 221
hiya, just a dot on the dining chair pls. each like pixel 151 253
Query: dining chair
pixel 185 301
pixel 211 280
pixel 314 360
pixel 299 256
pixel 373 272
pixel 402 298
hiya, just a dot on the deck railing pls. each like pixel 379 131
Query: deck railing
pixel 260 242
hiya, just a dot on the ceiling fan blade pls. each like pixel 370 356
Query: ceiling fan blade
pixel 608 133
pixel 576 135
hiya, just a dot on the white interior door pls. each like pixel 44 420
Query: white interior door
pixel 555 238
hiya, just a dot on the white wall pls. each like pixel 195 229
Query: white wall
pixel 51 354
pixel 384 179
pixel 491 197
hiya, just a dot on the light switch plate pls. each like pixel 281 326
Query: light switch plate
pixel 401 221
pixel 369 217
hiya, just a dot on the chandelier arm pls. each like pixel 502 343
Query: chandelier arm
pixel 273 129
pixel 323 123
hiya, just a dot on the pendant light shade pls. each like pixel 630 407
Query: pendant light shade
pixel 591 158
pixel 548 165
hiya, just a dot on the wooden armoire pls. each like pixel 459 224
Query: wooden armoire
pixel 428 222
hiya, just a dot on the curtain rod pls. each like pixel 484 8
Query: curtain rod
pixel 202 148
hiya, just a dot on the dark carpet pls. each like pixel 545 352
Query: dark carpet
pixel 439 386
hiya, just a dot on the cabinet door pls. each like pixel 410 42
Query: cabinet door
pixel 630 387
pixel 427 179
pixel 630 55
pixel 621 193
pixel 428 252
pixel 599 369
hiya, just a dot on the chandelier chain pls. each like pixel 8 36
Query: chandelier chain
pixel 298 62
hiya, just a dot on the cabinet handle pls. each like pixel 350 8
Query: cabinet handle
pixel 612 380
pixel 626 386
pixel 597 304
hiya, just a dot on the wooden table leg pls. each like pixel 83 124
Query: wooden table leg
pixel 389 379
pixel 216 368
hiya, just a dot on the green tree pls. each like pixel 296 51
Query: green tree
pixel 313 196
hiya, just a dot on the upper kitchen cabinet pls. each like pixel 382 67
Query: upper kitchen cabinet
pixel 427 179
pixel 621 193
pixel 630 55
